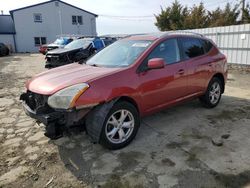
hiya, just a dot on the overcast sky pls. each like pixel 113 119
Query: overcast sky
pixel 109 25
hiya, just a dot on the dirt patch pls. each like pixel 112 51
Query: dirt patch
pixel 211 179
pixel 231 115
pixel 115 182
pixel 234 181
pixel 5 82
pixel 128 160
pixel 199 179
pixel 174 145
pixel 168 162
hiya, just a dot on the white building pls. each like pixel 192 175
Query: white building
pixel 42 23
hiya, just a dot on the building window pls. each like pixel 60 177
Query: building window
pixel 38 17
pixel 43 40
pixel 77 20
pixel 74 22
pixel 40 41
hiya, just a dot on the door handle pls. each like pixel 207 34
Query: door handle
pixel 181 71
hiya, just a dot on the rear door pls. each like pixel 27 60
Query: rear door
pixel 194 54
pixel 160 87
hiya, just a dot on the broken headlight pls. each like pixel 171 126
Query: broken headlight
pixel 66 98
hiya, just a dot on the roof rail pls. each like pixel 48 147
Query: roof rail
pixel 182 32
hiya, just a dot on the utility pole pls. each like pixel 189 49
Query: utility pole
pixel 243 9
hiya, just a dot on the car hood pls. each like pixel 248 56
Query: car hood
pixel 60 51
pixel 51 81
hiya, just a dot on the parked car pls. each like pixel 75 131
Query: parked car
pixel 43 49
pixel 58 43
pixel 76 51
pixel 129 79
pixel 4 50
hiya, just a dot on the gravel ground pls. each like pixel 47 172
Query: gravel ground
pixel 186 146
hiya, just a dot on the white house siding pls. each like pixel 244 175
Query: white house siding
pixel 88 27
pixel 27 29
pixel 8 40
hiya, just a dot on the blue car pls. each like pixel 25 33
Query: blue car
pixel 59 43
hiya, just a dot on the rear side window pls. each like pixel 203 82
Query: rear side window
pixel 207 45
pixel 168 50
pixel 191 47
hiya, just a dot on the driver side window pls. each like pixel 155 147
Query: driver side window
pixel 168 50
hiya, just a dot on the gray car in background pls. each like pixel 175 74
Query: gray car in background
pixel 4 50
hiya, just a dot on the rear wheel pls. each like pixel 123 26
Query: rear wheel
pixel 213 94
pixel 120 126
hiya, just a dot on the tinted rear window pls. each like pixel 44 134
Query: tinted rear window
pixel 192 47
pixel 207 45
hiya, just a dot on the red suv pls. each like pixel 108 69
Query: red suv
pixel 129 79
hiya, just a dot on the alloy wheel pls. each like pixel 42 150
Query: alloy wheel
pixel 119 126
pixel 214 93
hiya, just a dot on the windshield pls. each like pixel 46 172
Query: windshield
pixel 119 54
pixel 59 42
pixel 80 43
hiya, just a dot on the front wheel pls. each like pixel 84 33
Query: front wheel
pixel 213 94
pixel 120 126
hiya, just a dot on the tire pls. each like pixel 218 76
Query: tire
pixel 122 133
pixel 7 52
pixel 213 94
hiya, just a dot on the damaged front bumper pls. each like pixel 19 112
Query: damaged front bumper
pixel 54 64
pixel 56 61
pixel 56 122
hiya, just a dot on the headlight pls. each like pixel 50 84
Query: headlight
pixel 66 98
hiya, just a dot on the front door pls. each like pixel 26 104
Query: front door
pixel 160 87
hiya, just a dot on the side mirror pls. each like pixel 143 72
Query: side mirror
pixel 156 63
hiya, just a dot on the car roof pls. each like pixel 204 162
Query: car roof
pixel 158 35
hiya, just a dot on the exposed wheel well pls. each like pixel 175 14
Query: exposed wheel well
pixel 221 77
pixel 130 100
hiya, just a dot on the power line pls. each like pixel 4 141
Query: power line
pixel 114 16
pixel 129 18
pixel 134 19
